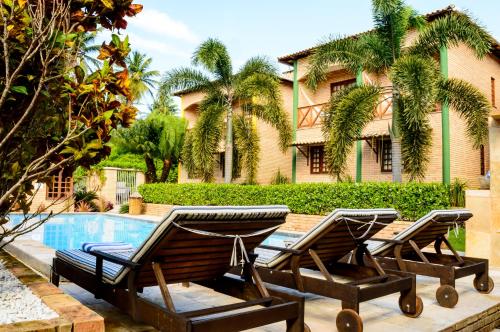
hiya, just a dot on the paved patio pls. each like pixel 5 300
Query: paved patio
pixel 378 315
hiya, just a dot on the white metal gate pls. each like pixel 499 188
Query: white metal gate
pixel 126 184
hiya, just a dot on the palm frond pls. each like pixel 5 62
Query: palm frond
pixel 212 55
pixel 260 65
pixel 187 156
pixel 185 79
pixel 470 104
pixel 449 31
pixel 416 79
pixel 247 140
pixel 416 139
pixel 378 54
pixel 346 51
pixel 207 135
pixel 393 20
pixel 347 113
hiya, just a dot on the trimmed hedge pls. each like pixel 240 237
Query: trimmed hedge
pixel 412 200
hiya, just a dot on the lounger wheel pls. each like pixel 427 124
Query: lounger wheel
pixel 447 296
pixel 419 307
pixel 306 328
pixel 481 288
pixel 348 320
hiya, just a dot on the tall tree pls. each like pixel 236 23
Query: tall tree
pixel 416 88
pixel 164 104
pixel 254 90
pixel 87 51
pixel 142 78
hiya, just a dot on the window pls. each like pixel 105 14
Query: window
pixel 493 88
pixel 337 86
pixel 317 156
pixel 385 148
pixel 483 165
pixel 60 186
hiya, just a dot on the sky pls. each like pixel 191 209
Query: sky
pixel 169 31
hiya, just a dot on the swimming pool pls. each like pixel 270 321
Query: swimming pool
pixel 71 230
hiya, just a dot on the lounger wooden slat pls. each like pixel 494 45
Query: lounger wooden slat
pixel 323 248
pixel 191 244
pixel 433 228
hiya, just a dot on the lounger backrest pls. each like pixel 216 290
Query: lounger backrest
pixel 185 255
pixel 425 231
pixel 335 236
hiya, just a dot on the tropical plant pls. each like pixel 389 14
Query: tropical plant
pixel 231 102
pixel 87 50
pixel 142 78
pixel 87 197
pixel 52 115
pixel 416 88
pixel 158 137
pixel 124 208
pixel 457 193
pixel 280 178
pixel 164 104
pixel 84 207
pixel 103 205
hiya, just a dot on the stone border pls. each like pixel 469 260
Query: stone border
pixel 487 320
pixel 73 316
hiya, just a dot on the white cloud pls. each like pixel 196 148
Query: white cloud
pixel 141 44
pixel 161 24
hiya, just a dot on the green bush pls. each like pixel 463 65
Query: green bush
pixel 411 200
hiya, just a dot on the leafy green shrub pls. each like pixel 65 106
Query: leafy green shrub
pixel 124 208
pixel 86 198
pixel 280 178
pixel 412 200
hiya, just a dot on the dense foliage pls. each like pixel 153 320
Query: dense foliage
pixel 54 114
pixel 158 138
pixel 411 200
pixel 416 87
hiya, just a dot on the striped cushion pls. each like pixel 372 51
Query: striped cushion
pixel 377 248
pixel 86 262
pixel 190 214
pixel 107 246
pixel 267 259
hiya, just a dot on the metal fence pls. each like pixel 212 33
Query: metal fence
pixel 126 184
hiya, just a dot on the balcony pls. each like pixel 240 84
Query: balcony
pixel 310 116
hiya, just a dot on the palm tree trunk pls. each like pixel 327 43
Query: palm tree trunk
pixel 151 176
pixel 167 164
pixel 228 160
pixel 397 172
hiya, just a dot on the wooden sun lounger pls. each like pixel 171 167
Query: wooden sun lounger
pixel 323 248
pixel 404 253
pixel 192 244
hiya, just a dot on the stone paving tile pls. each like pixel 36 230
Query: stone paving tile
pixel 382 314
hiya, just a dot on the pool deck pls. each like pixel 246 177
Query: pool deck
pixel 473 312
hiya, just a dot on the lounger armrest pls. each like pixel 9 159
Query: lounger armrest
pixel 113 259
pixel 291 251
pixel 387 240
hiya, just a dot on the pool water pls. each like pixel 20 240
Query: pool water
pixel 71 230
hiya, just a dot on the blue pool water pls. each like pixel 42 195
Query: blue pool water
pixel 70 231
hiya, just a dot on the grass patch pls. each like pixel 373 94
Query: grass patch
pixel 458 242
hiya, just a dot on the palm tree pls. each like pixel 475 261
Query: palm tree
pixel 87 50
pixel 231 102
pixel 416 88
pixel 142 79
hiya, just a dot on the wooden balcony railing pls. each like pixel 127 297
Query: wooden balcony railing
pixel 310 116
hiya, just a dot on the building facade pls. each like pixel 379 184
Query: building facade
pixel 371 160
